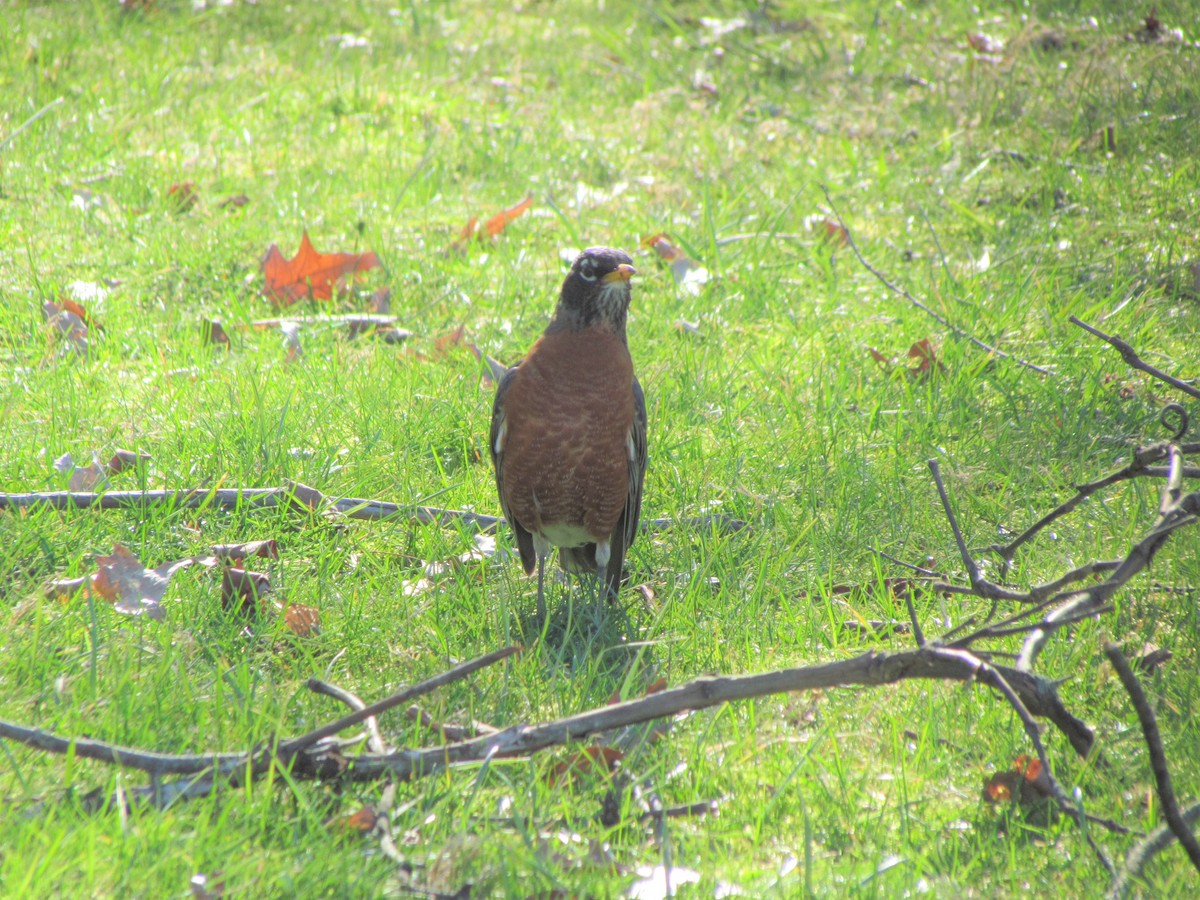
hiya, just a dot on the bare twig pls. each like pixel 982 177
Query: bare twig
pixel 979 585
pixel 297 494
pixel 917 303
pixel 1140 855
pixel 1138 466
pixel 295 745
pixel 1092 600
pixel 1136 362
pixel 374 738
pixel 989 674
pixel 126 757
pixel 1158 758
pixel 308 760
pixel 37 115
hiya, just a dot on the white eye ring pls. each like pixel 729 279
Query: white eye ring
pixel 587 271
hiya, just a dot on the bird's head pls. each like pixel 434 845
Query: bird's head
pixel 596 290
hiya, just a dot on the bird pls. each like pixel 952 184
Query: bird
pixel 568 432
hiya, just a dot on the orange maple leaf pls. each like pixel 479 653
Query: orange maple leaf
pixel 496 223
pixel 309 273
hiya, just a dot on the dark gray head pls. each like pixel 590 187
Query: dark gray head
pixel 596 290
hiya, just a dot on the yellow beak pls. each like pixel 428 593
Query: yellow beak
pixel 623 272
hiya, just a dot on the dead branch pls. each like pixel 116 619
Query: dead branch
pixel 1139 465
pixel 374 738
pixel 309 759
pixel 295 745
pixel 1093 600
pixel 1139 855
pixel 940 319
pixel 1136 362
pixel 1158 758
pixel 304 497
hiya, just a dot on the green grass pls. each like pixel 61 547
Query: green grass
pixel 774 413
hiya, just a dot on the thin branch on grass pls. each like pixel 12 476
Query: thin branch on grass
pixel 310 760
pixel 305 497
pixel 1094 599
pixel 1136 362
pixel 989 674
pixel 295 745
pixel 942 320
pixel 1158 758
pixel 1145 850
pixel 1139 466
pixel 374 738
pixel 37 115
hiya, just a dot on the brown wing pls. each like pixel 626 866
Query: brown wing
pixel 496 438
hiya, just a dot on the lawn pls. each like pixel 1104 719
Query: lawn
pixel 1009 165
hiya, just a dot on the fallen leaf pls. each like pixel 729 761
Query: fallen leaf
pixel 925 355
pixel 68 323
pixel 443 344
pixel 237 201
pixel 309 273
pixel 380 302
pixel 588 761
pixel 267 549
pixel 213 332
pixel 362 820
pixel 660 882
pixel 126 459
pixel 241 590
pixel 87 478
pixel 183 196
pixel 689 275
pixel 491 228
pixel 459 244
pixel 130 586
pixel 922 351
pixel 1026 783
pixel 304 621
pixel 500 221
pixel 834 232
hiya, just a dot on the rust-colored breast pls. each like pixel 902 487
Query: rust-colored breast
pixel 568 414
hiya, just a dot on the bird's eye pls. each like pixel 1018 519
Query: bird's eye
pixel 587 270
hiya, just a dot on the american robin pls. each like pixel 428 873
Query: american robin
pixel 568 436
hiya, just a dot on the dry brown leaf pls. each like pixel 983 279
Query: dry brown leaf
pixel 689 275
pixel 130 586
pixel 183 196
pixel 267 549
pixel 237 201
pixel 443 344
pixel 491 228
pixel 380 301
pixel 592 760
pixel 126 459
pixel 213 332
pixel 309 273
pixel 1025 783
pixel 69 324
pixel 926 356
pixel 304 621
pixel 501 220
pixel 362 820
pixel 241 590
